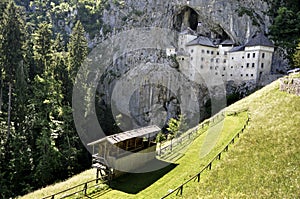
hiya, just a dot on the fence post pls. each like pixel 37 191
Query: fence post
pixel 52 197
pixel 85 188
pixel 209 166
pixel 198 177
pixel 226 148
pixel 232 141
pixel 219 156
pixel 97 175
pixel 181 190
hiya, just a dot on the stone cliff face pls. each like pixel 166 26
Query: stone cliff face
pixel 156 103
pixel 237 18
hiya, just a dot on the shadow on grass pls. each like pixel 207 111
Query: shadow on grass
pixel 132 183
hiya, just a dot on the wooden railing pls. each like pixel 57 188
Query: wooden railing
pixel 179 189
pixel 84 188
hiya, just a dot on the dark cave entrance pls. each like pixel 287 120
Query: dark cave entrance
pixel 187 17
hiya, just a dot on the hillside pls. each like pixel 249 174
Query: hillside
pixel 263 163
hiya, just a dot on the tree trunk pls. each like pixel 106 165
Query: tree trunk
pixel 8 111
pixel 1 90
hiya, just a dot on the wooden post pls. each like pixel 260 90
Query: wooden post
pixel 209 166
pixel 219 156
pixel 181 190
pixel 52 197
pixel 97 175
pixel 198 177
pixel 85 188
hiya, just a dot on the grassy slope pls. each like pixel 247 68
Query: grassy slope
pixel 138 186
pixel 265 163
pixel 187 166
pixel 75 180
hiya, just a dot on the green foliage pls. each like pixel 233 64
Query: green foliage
pixel 176 126
pixel 296 57
pixel 77 48
pixel 40 145
pixel 285 30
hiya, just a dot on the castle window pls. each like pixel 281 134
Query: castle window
pixel 224 68
pixel 231 75
pixel 242 66
pixel 223 75
pixel 248 65
pixel 263 55
pixel 202 58
pixel 247 75
pixel 217 60
pixel 207 51
pixel 203 51
pixel 253 55
pixel 182 59
pixel 232 57
pixel 218 53
pixel 248 55
pixel 212 60
pixel 241 75
pixel 216 68
pixel 201 66
pixel 253 65
pixel 192 58
pixel 224 60
pixel 231 66
pixel 225 53
pixel 251 75
pixel 192 50
pixel 211 68
pixel 262 65
pixel 212 52
pixel 216 73
pixel 243 57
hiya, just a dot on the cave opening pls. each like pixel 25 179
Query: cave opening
pixel 193 19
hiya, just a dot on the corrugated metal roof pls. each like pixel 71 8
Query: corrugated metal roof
pixel 113 139
pixel 204 41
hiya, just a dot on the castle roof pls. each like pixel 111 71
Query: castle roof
pixel 188 31
pixel 237 48
pixel 204 41
pixel 259 40
pixel 227 42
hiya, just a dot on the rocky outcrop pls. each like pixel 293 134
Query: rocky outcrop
pixel 152 101
pixel 290 85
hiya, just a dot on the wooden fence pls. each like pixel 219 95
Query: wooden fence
pixel 179 189
pixel 191 134
pixel 82 189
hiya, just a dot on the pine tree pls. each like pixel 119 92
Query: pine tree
pixel 11 51
pixel 77 50
pixel 42 47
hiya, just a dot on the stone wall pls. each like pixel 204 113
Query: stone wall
pixel 290 85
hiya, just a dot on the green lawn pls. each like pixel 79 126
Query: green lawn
pixel 156 184
pixel 132 185
pixel 263 163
